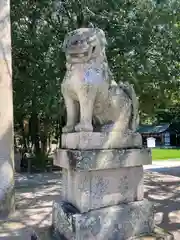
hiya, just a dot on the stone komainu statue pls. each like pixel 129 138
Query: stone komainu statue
pixel 91 96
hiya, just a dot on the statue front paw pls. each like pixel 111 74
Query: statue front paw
pixel 84 127
pixel 68 129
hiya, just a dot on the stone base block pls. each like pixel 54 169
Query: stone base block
pixel 101 159
pixel 100 140
pixel 111 223
pixel 94 189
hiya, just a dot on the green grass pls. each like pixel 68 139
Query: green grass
pixel 165 154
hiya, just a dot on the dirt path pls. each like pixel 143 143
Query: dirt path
pixel 163 189
pixel 35 194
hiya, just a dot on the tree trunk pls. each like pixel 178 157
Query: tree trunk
pixel 6 114
pixel 80 16
pixel 44 137
pixel 24 142
pixel 34 132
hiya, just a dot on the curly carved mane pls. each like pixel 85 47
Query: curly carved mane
pixel 87 46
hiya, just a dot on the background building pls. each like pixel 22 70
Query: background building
pixel 166 135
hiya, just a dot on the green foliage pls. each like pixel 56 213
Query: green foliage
pixel 143 48
pixel 37 59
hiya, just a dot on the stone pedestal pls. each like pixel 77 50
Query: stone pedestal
pixel 101 140
pixel 120 221
pixel 102 195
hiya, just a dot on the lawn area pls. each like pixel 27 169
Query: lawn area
pixel 165 154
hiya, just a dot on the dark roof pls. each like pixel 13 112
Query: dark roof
pixel 153 129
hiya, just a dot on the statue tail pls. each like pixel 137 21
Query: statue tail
pixel 129 90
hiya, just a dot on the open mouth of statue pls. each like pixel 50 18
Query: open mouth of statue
pixel 78 55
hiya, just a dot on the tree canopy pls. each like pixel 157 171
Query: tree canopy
pixel 143 48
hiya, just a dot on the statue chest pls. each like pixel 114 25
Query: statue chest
pixel 82 75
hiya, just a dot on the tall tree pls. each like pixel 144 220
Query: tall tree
pixel 142 48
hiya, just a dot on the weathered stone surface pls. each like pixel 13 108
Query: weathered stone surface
pixel 7 200
pixel 100 140
pixel 101 159
pixel 94 189
pixel 6 109
pixel 111 223
pixel 90 93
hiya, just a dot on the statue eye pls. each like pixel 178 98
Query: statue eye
pixel 75 42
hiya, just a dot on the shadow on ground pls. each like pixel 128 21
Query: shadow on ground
pixel 172 171
pixel 34 197
pixel 162 187
pixel 35 194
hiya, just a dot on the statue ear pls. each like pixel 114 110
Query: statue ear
pixel 101 35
